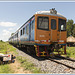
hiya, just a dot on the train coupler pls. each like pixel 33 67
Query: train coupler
pixel 43 53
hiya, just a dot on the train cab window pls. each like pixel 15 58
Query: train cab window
pixel 21 32
pixel 24 30
pixel 27 29
pixel 62 25
pixel 43 23
pixel 53 24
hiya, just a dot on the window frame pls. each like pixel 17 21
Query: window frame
pixel 21 32
pixel 60 26
pixel 32 24
pixel 27 31
pixel 38 22
pixel 17 34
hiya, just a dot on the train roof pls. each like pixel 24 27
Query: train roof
pixel 49 13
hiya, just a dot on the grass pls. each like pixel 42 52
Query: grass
pixel 70 52
pixel 5 48
pixel 28 65
pixel 5 69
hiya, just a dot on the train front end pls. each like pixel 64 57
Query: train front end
pixel 50 33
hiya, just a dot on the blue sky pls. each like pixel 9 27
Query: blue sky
pixel 15 14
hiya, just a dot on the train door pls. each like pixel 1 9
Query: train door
pixel 53 29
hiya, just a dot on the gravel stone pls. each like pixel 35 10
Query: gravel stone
pixel 49 66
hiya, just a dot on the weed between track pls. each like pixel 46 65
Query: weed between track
pixel 28 65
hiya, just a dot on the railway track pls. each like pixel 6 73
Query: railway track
pixel 58 64
pixel 69 60
pixel 65 58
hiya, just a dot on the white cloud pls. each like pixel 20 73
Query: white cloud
pixel 5 35
pixel 6 32
pixel 11 28
pixel 8 24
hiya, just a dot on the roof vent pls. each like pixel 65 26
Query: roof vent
pixel 53 11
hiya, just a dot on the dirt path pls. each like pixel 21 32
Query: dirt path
pixel 16 67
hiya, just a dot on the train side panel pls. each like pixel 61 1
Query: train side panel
pixel 28 37
pixel 32 28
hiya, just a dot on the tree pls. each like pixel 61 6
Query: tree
pixel 73 31
pixel 12 34
pixel 70 28
pixel 1 40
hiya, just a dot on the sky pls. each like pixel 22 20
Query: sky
pixel 14 14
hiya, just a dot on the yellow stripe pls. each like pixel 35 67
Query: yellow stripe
pixel 43 55
pixel 36 50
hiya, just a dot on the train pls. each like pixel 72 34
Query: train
pixel 44 34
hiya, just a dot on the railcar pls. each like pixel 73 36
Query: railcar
pixel 44 33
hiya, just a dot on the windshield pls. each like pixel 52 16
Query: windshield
pixel 43 23
pixel 62 25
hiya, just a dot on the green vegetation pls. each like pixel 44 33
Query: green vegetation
pixel 5 69
pixel 5 47
pixel 70 52
pixel 70 28
pixel 12 34
pixel 28 65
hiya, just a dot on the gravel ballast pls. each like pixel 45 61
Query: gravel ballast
pixel 49 66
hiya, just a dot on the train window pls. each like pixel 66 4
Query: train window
pixel 32 25
pixel 17 34
pixel 23 30
pixel 53 24
pixel 62 25
pixel 27 29
pixel 43 23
